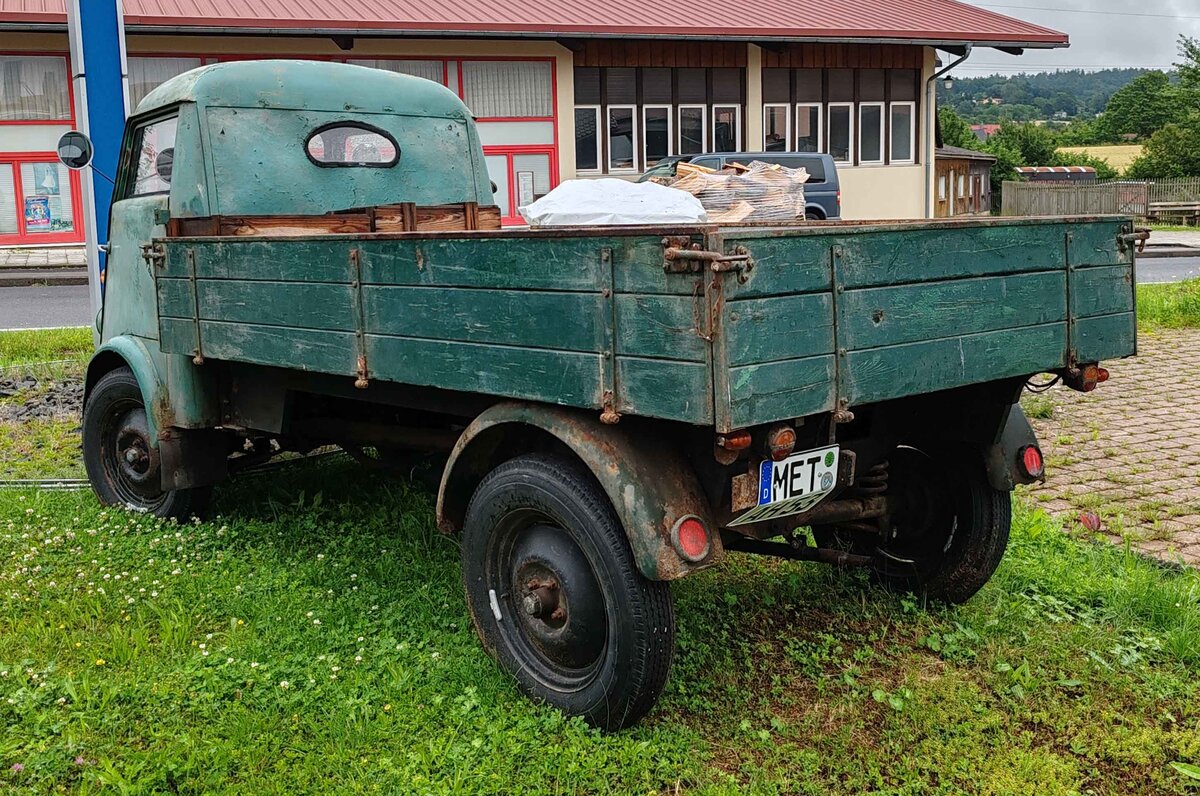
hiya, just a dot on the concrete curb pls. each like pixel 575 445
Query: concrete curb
pixel 32 277
pixel 1154 252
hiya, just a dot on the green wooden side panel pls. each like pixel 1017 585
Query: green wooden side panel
pixel 661 327
pixel 665 389
pixel 301 260
pixel 927 311
pixel 1095 244
pixel 296 304
pixel 783 265
pixel 638 265
pixel 530 263
pixel 175 298
pixel 568 321
pixel 928 254
pixel 1105 337
pixel 558 377
pixel 177 336
pixel 880 374
pixel 779 390
pixel 1101 291
pixel 782 327
pixel 303 349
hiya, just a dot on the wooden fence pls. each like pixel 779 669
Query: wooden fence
pixel 1114 197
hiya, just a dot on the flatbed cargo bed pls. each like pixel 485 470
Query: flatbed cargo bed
pixel 797 321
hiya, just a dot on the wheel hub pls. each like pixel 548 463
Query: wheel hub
pixel 135 458
pixel 560 606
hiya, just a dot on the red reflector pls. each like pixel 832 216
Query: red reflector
pixel 1031 461
pixel 1103 376
pixel 781 442
pixel 734 441
pixel 691 539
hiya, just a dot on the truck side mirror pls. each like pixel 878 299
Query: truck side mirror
pixel 75 150
pixel 164 163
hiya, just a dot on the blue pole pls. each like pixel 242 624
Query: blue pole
pixel 97 32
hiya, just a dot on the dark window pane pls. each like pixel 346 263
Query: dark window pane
pixel 808 128
pixel 870 133
pixel 775 128
pixel 841 121
pixel 656 84
pixel 658 134
pixel 726 127
pixel 870 85
pixel 902 132
pixel 587 156
pixel 621 138
pixel 777 85
pixel 691 131
pixel 841 85
pixel 587 85
pixel 808 85
pixel 727 84
pixel 692 85
pixel 904 84
pixel 622 85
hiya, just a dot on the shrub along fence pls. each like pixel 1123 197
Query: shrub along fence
pixel 1152 199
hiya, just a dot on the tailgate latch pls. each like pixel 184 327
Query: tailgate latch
pixel 1126 240
pixel 680 257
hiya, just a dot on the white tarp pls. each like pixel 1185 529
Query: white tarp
pixel 610 202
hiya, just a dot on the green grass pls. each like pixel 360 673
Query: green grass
pixel 1171 306
pixel 45 345
pixel 145 657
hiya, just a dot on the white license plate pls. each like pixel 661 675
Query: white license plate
pixel 793 485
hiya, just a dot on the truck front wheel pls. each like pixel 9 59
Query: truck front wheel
pixel 556 596
pixel 950 526
pixel 120 457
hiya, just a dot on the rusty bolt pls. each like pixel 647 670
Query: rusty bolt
pixel 559 614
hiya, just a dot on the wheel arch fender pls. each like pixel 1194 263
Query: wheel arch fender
pixel 1002 457
pixel 127 351
pixel 651 485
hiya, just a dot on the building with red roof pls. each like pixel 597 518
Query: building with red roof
pixel 561 89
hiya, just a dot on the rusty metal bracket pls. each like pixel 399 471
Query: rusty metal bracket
pixel 154 254
pixel 198 352
pixel 1126 240
pixel 608 360
pixel 681 257
pixel 361 380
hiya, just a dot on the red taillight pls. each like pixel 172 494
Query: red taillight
pixel 1086 378
pixel 734 441
pixel 1031 461
pixel 690 538
pixel 781 441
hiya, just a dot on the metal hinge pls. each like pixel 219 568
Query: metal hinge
pixel 682 257
pixel 1139 236
pixel 154 254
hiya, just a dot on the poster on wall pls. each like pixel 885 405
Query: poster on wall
pixel 37 213
pixel 524 188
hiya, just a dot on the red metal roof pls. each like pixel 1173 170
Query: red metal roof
pixel 844 20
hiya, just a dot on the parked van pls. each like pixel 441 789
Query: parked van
pixel 822 192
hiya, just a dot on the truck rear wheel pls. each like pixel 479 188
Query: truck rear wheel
pixel 556 596
pixel 120 457
pixel 950 525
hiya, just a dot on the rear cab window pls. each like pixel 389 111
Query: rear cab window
pixel 154 153
pixel 352 144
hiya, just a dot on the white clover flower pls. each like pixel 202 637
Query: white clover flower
pixel 284 684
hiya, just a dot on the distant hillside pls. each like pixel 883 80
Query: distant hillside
pixel 1026 97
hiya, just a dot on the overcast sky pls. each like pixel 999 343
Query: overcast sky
pixel 1103 33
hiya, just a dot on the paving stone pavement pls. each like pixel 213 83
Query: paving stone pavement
pixel 1130 451
pixel 49 257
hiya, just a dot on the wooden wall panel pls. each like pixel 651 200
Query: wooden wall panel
pixel 614 52
pixel 844 56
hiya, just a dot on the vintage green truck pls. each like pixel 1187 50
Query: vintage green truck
pixel 306 254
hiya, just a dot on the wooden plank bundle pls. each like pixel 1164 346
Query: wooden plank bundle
pixel 761 192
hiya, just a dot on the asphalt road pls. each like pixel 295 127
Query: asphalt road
pixel 67 305
pixel 44 307
pixel 1167 269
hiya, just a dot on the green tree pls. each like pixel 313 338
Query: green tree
pixel 955 130
pixel 1174 150
pixel 1143 107
pixel 1035 145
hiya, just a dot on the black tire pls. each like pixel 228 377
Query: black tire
pixel 813 215
pixel 950 525
pixel 121 459
pixel 541 535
